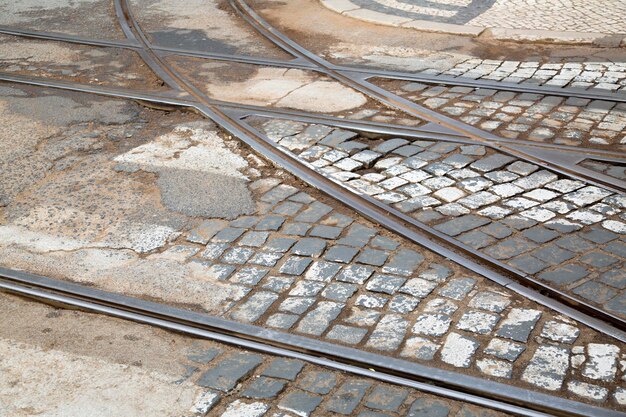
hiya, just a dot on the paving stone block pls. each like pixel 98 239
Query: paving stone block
pixel 227 373
pixel 357 236
pixel 326 232
pixel 237 256
pixel 478 322
pixel 385 243
pixel 598 259
pixel 440 305
pixel 282 321
pixel 371 301
pixel 575 243
pixel 552 254
pixel 239 408
pixel 386 398
pixel 278 193
pixel 356 274
pixel 423 407
pixel 318 382
pixel 420 348
pixel 254 307
pixel 491 162
pixel 589 391
pixel 372 257
pixel 389 333
pixel 436 272
pixel 548 367
pixel 560 332
pixel 318 319
pixel 280 244
pixel 306 288
pixel 510 248
pixel 277 284
pixel 347 398
pixel 387 284
pixel 263 387
pixel 296 305
pixel 338 291
pixel 403 304
pixel 309 247
pixel 418 287
pixel 518 324
pixel 594 291
pixel 601 362
pixel 458 350
pixel 347 334
pixel 458 288
pixel 287 208
pixel 476 239
pixel 528 264
pixel 283 368
pixel 403 262
pixel 270 223
pixel 300 403
pixel 228 235
pixel 565 274
pixel 313 213
pixel 504 349
pixel 462 224
pixel 492 367
pixel 322 271
pixel 205 402
pixel 432 324
pixel 497 230
pixel 614 278
pixel 295 265
pixel 340 253
pixel 249 275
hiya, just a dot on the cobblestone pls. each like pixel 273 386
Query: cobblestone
pixel 386 295
pixel 539 222
pixel 563 121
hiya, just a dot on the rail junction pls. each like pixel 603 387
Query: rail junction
pixel 456 249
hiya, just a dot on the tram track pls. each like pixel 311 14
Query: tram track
pixel 230 116
pixel 230 119
pixel 366 73
pixel 494 395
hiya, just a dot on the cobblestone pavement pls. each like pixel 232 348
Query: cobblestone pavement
pixel 603 75
pixel 284 258
pixel 154 371
pixel 564 232
pixel 563 15
pixel 306 268
pixel 244 384
pixel 535 117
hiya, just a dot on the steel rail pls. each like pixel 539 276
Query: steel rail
pixel 427 131
pixel 438 79
pixel 358 82
pixel 379 213
pixel 373 209
pixel 449 384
